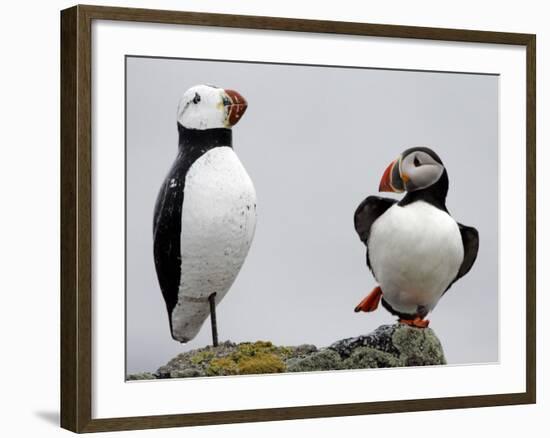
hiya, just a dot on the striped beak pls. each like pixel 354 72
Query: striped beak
pixel 391 179
pixel 235 106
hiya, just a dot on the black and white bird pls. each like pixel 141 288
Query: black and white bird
pixel 415 249
pixel 205 213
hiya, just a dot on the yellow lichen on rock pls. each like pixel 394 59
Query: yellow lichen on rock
pixel 261 363
pixel 259 357
pixel 222 366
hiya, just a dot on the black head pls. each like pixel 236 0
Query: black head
pixel 420 172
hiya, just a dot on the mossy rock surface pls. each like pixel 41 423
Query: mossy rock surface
pixel 228 358
pixel 141 376
pixel 250 358
pixel 325 359
pixel 388 346
pixel 418 347
pixel 368 357
pixel 397 345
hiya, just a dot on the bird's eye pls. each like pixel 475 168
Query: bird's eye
pixel 197 98
pixel 416 162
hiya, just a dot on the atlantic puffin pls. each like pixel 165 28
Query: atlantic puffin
pixel 205 212
pixel 415 249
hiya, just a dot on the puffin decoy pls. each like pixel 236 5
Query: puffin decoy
pixel 415 249
pixel 205 212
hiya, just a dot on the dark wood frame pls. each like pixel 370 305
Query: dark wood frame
pixel 76 238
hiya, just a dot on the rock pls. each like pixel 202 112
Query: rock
pixel 380 339
pixel 141 376
pixel 369 357
pixel 186 372
pixel 228 359
pixel 388 346
pixel 403 346
pixel 418 347
pixel 325 359
pixel 303 350
pixel 194 363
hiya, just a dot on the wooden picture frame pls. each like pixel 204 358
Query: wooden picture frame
pixel 76 217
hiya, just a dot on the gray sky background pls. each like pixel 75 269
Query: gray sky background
pixel 315 141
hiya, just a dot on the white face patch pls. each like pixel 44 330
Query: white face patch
pixel 419 170
pixel 201 107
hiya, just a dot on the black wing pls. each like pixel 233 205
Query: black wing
pixel 366 214
pixel 470 242
pixel 166 235
pixel 368 211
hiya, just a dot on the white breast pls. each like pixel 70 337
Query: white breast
pixel 415 252
pixel 217 226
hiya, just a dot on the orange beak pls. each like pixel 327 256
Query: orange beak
pixel 386 181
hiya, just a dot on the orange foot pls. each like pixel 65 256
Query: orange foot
pixel 371 301
pixel 416 322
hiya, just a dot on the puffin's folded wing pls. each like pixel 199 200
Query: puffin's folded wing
pixel 166 241
pixel 470 241
pixel 159 205
pixel 368 211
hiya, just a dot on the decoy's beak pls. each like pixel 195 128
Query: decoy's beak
pixel 391 179
pixel 235 105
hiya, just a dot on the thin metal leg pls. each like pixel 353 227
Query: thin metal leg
pixel 212 300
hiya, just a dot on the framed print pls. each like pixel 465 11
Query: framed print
pixel 313 215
